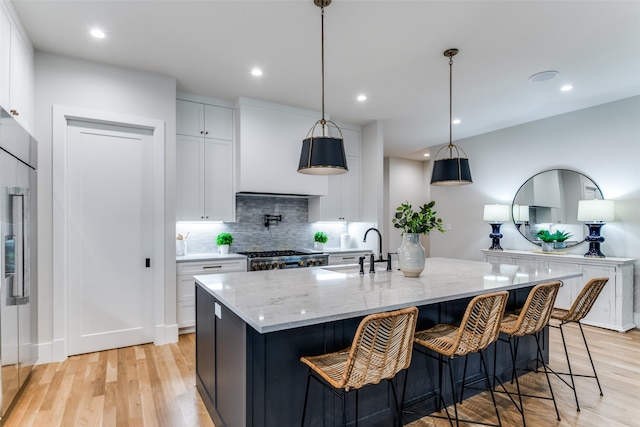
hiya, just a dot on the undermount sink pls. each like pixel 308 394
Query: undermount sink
pixel 346 269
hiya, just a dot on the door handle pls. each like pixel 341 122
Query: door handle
pixel 147 262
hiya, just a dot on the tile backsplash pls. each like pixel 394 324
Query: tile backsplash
pixel 250 233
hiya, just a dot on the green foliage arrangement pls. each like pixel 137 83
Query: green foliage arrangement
pixel 224 239
pixel 558 236
pixel 320 237
pixel 421 222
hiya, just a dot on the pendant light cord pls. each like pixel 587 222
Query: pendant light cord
pixel 323 122
pixel 450 105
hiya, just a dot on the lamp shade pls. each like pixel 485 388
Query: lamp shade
pixel 496 213
pixel 521 213
pixel 323 155
pixel 452 171
pixel 595 210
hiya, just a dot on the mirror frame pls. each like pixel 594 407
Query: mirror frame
pixel 525 225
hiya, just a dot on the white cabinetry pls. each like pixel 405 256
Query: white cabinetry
pixel 204 162
pixel 16 69
pixel 614 307
pixel 347 257
pixel 342 203
pixel 186 289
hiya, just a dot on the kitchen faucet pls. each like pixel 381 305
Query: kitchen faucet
pixel 381 259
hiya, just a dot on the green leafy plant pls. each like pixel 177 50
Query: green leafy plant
pixel 545 236
pixel 421 222
pixel 320 237
pixel 224 239
pixel 561 236
pixel 558 236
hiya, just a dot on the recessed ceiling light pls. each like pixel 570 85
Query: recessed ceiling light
pixel 543 76
pixel 97 33
pixel 256 72
pixel 456 121
pixel 426 154
pixel 361 98
pixel 566 88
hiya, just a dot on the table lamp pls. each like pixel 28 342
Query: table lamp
pixel 520 215
pixel 496 215
pixel 594 213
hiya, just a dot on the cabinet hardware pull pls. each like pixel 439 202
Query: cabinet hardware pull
pixel 147 262
pixel 348 257
pixel 14 112
pixel 211 266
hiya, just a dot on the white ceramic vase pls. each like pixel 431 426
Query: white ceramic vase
pixel 411 255
pixel 318 246
pixel 224 249
pixel 547 246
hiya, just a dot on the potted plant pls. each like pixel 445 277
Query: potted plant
pixel 560 237
pixel 224 240
pixel 411 254
pixel 547 240
pixel 319 239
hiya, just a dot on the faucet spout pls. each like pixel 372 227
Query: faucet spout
pixel 380 257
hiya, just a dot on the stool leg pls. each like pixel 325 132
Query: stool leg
pixel 453 392
pixel 306 395
pixel 464 376
pixel 513 360
pixel 493 398
pixel 546 372
pixel 566 353
pixel 590 359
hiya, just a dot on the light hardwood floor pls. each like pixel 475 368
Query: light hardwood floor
pixel 155 386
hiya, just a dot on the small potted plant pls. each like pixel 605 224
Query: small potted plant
pixel 560 237
pixel 411 254
pixel 319 239
pixel 547 240
pixel 224 240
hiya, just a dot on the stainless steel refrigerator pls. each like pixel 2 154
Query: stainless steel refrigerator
pixel 18 287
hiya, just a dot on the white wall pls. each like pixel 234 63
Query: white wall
pixel 405 182
pixel 600 142
pixel 72 82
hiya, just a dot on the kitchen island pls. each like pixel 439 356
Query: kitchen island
pixel 252 328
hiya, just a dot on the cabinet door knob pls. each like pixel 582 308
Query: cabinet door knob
pixel 206 132
pixel 201 132
pixel 14 112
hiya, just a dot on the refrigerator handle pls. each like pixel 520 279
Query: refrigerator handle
pixel 17 292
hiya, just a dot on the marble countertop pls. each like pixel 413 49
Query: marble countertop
pixel 208 257
pixel 275 300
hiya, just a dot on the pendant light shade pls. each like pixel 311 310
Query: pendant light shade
pixel 450 164
pixel 323 154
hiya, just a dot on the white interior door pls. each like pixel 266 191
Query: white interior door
pixel 109 236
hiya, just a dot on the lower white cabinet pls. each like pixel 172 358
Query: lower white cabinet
pixel 614 307
pixel 186 288
pixel 343 201
pixel 348 257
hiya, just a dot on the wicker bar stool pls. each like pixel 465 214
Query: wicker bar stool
pixel 477 330
pixel 579 309
pixel 531 320
pixel 381 348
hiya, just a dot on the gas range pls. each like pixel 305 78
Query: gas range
pixel 275 260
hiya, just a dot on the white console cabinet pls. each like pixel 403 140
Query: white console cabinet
pixel 348 257
pixel 614 307
pixel 186 288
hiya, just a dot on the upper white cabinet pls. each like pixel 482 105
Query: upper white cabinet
pixel 342 203
pixel 209 121
pixel 204 162
pixel 614 307
pixel 16 69
pixel 269 144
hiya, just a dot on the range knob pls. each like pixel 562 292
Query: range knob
pixel 301 263
pixel 254 266
pixel 310 263
pixel 262 266
pixel 274 265
pixel 282 264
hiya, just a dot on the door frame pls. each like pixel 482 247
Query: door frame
pixel 60 117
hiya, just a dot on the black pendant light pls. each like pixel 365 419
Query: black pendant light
pixel 451 165
pixel 323 154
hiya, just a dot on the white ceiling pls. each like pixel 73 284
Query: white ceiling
pixel 390 50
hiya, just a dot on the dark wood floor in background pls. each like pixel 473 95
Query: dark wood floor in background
pixel 155 386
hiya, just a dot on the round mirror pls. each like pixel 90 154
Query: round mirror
pixel 549 201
